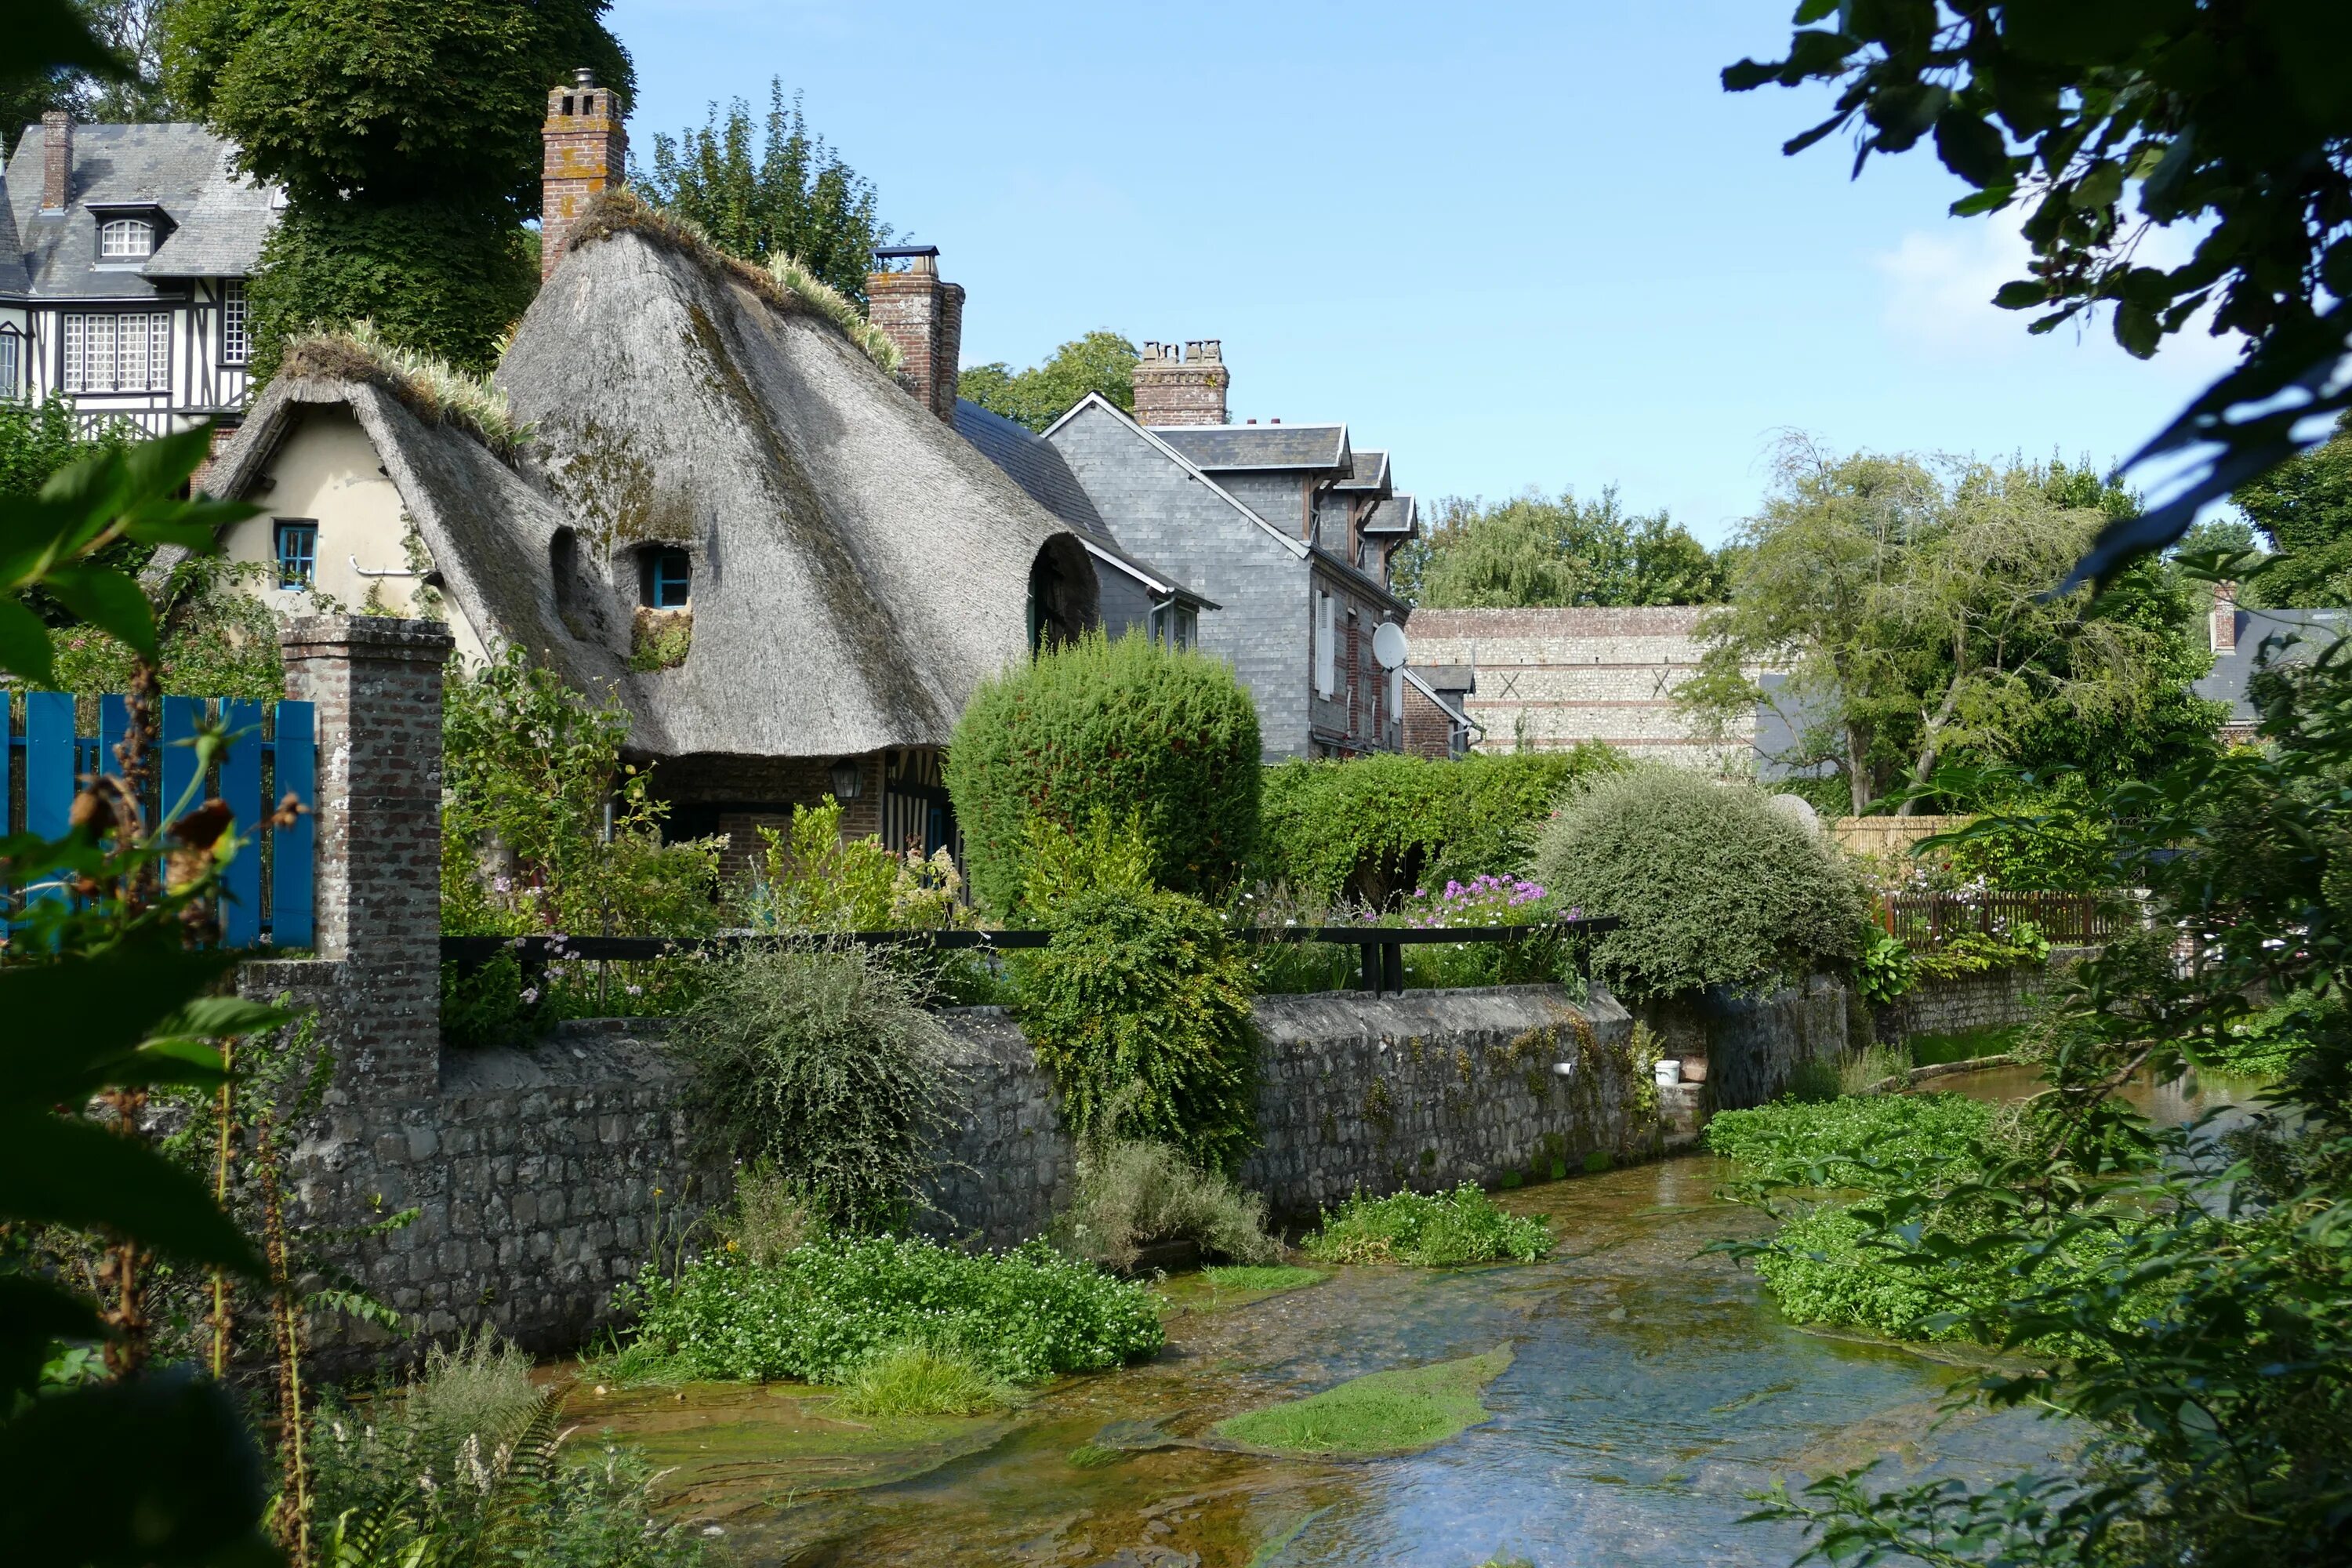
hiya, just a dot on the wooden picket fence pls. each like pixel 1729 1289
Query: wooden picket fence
pixel 55 741
pixel 1929 921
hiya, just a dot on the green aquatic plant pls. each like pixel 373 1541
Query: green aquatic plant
pixel 1853 1141
pixel 1281 1276
pixel 1380 1413
pixel 1442 1231
pixel 831 1305
pixel 917 1379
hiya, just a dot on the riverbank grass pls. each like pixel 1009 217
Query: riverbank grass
pixel 1380 1413
pixel 919 1380
pixel 1446 1230
pixel 1222 1288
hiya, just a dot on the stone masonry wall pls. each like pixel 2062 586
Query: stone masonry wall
pixel 1989 1001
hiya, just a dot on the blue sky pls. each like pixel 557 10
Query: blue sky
pixel 1517 244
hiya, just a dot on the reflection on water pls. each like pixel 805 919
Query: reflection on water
pixel 1652 1387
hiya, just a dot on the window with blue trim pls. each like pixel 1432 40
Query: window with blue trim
pixel 669 578
pixel 297 553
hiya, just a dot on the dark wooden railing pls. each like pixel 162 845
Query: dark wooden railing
pixel 1381 967
pixel 2068 919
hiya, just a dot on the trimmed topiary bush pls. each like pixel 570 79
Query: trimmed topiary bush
pixel 1104 728
pixel 1714 886
pixel 1375 828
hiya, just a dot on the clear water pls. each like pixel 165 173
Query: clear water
pixel 1654 1388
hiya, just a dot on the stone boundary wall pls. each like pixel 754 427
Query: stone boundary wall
pixel 1993 1000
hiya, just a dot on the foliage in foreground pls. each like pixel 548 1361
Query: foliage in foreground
pixel 1100 729
pixel 823 1065
pixel 467 1467
pixel 1715 887
pixel 1445 1230
pixel 1133 1194
pixel 1139 1006
pixel 833 1305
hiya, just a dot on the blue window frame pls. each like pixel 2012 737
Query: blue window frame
pixel 297 553
pixel 669 578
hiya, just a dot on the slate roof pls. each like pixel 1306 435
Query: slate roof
pixel 2312 630
pixel 1447 677
pixel 1037 466
pixel 221 217
pixel 1371 472
pixel 1394 514
pixel 1213 448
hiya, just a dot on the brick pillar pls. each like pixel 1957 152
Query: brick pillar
pixel 586 150
pixel 377 685
pixel 1181 385
pixel 56 160
pixel 924 317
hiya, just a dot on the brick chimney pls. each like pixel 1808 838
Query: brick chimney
pixel 587 152
pixel 925 318
pixel 56 160
pixel 2222 624
pixel 1186 388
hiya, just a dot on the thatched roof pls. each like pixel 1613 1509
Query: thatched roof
pixel 858 566
pixel 489 532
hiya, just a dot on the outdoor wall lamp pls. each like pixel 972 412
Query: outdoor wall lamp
pixel 848 779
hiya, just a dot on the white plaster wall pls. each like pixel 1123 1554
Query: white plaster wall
pixel 326 470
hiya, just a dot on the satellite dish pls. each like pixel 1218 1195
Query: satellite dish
pixel 1388 646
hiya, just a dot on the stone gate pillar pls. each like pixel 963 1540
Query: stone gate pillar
pixel 376 682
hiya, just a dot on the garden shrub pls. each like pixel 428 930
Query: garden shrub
pixel 1096 728
pixel 833 1304
pixel 813 877
pixel 1715 887
pixel 1443 1231
pixel 1859 1142
pixel 772 1215
pixel 821 1063
pixel 1133 1194
pixel 1368 830
pixel 1139 1008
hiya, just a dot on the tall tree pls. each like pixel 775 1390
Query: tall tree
pixel 2231 119
pixel 407 137
pixel 1911 612
pixel 797 195
pixel 1102 361
pixel 1532 550
pixel 132 30
pixel 2303 509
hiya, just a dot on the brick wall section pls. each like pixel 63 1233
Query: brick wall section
pixel 1563 676
pixel 56 160
pixel 377 686
pixel 584 153
pixel 1182 384
pixel 1428 729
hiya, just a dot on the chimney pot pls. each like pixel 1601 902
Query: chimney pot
pixel 56 160
pixel 585 152
pixel 2222 624
pixel 1181 383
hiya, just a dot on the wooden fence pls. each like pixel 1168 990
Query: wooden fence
pixel 268 897
pixel 2068 919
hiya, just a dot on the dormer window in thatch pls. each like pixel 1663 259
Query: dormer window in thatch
pixel 1062 595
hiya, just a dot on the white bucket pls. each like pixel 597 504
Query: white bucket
pixel 1670 1072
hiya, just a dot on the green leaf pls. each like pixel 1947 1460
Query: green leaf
pixel 2137 330
pixel 25 650
pixel 45 34
pixel 160 1469
pixel 1972 147
pixel 158 468
pixel 56 1169
pixel 219 1017
pixel 2098 189
pixel 108 599
pixel 2090 32
pixel 2022 295
pixel 67 1018
pixel 33 1314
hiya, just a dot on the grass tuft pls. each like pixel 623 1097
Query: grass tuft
pixel 1380 1413
pixel 1280 1276
pixel 916 1380
pixel 1445 1231
pixel 434 391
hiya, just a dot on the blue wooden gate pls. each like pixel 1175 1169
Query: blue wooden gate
pixel 268 895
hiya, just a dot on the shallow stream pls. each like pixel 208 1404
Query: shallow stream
pixel 1652 1388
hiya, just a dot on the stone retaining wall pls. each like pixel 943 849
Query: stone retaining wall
pixel 1993 1000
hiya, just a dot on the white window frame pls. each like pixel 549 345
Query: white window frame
pixel 12 362
pixel 118 236
pixel 107 352
pixel 1326 647
pixel 236 324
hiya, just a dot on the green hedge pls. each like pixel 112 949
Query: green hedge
pixel 1110 729
pixel 1382 826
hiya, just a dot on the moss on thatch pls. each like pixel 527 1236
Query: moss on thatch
pixel 433 391
pixel 783 282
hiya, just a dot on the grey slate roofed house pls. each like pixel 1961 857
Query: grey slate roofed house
pixel 2244 640
pixel 123 255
